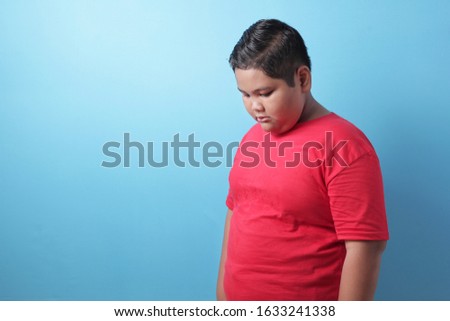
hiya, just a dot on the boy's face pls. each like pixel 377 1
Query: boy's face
pixel 275 105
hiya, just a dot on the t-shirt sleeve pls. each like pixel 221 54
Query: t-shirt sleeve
pixel 357 201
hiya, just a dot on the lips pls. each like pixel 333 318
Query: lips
pixel 262 119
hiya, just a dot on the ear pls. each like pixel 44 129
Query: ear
pixel 303 75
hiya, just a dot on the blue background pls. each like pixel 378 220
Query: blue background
pixel 77 74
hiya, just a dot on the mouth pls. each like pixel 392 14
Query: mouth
pixel 262 119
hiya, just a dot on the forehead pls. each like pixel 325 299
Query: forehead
pixel 252 79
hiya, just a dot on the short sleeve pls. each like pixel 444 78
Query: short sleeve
pixel 357 201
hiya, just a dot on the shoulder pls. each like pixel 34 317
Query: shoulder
pixel 339 130
pixel 338 125
pixel 331 138
pixel 347 149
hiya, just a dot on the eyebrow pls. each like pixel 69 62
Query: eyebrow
pixel 256 90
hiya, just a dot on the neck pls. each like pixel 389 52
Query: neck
pixel 312 110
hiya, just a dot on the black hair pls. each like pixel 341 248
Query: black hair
pixel 272 46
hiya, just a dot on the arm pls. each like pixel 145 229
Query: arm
pixel 220 291
pixel 360 271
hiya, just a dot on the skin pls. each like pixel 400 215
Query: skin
pixel 220 293
pixel 282 105
pixel 279 107
pixel 360 271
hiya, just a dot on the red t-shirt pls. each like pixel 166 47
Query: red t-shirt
pixel 295 199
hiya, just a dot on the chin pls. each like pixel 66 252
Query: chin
pixel 277 131
pixel 267 128
pixel 273 131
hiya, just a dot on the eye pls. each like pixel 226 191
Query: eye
pixel 266 94
pixel 245 95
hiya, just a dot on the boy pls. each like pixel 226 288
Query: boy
pixel 306 217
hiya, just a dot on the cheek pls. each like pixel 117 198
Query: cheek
pixel 295 104
pixel 290 109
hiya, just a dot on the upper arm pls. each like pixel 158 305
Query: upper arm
pixel 360 270
pixel 369 247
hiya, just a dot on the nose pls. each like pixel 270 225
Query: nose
pixel 257 106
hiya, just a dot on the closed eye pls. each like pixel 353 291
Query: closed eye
pixel 267 94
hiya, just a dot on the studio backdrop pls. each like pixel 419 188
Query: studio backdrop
pixel 119 121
